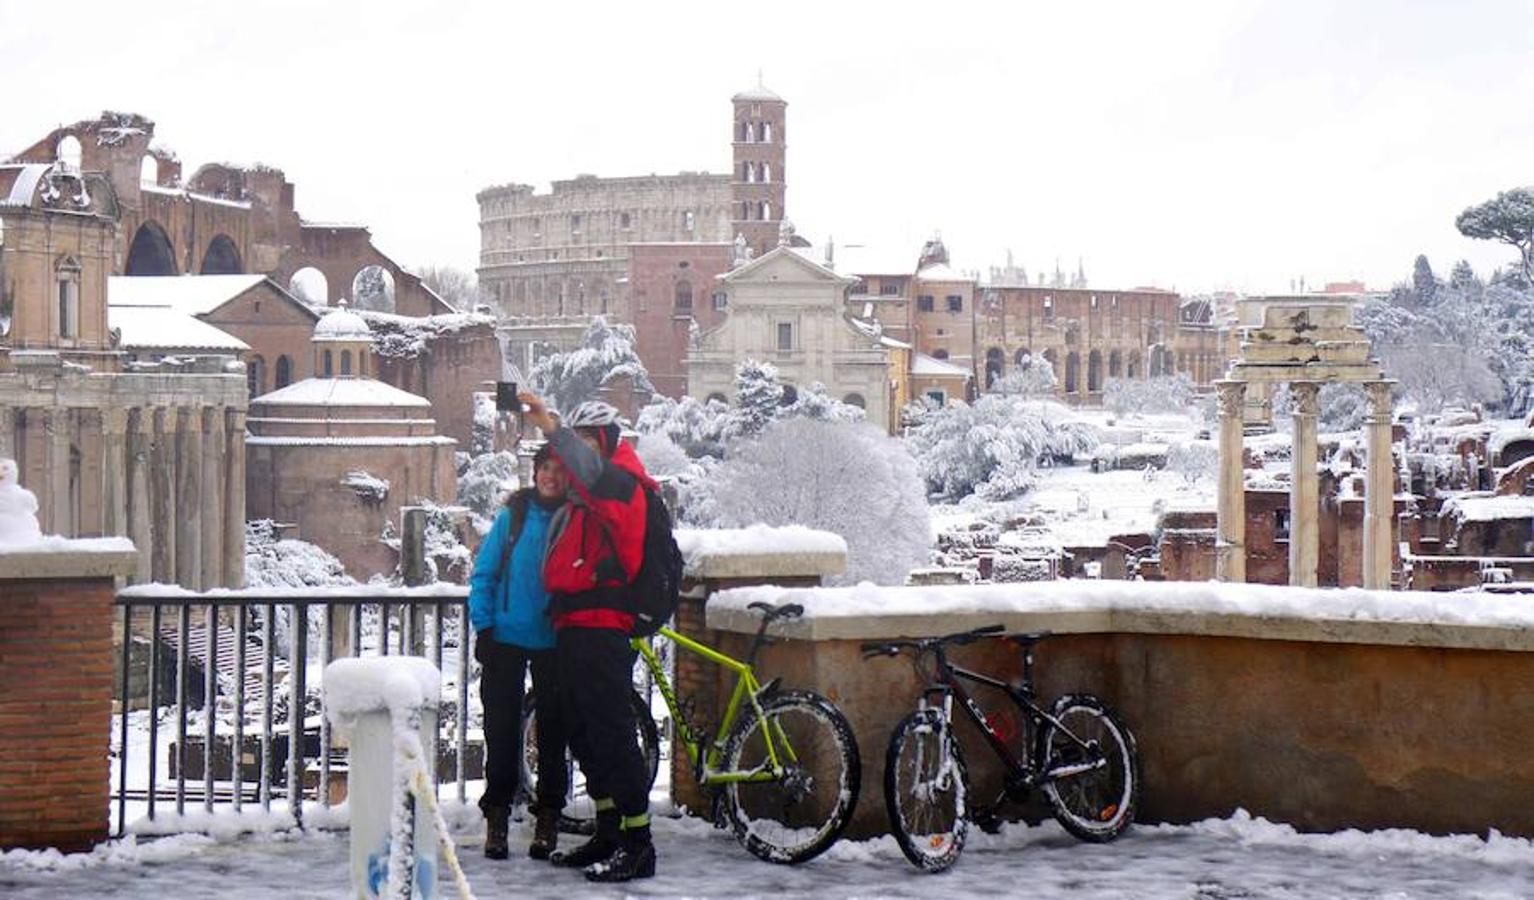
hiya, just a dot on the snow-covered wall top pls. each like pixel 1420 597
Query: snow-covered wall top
pixel 761 551
pixel 54 557
pixel 864 612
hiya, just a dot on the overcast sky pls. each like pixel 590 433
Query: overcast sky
pixel 1190 145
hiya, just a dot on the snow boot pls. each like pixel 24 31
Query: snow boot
pixel 495 833
pixel 635 858
pixel 602 845
pixel 545 834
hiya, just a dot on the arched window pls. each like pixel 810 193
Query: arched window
pixel 766 171
pixel 222 257
pixel 790 395
pixel 362 363
pixel 69 297
pixel 373 289
pixel 311 286
pixel 69 152
pixel 855 400
pixel 994 360
pixel 149 170
pixel 684 296
pixel 1021 357
pixel 328 367
pixel 766 211
pixel 255 376
pixel 1133 369
pixel 346 362
pixel 150 253
pixel 1095 371
pixel 766 132
pixel 689 221
pixel 717 397
pixel 940 353
pixel 284 372
pixel 743 132
pixel 1115 364
pixel 1072 372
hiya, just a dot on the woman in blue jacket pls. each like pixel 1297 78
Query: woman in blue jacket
pixel 508 608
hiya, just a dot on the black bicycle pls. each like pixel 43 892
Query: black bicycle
pixel 1079 753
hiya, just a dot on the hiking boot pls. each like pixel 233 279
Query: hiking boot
pixel 545 834
pixel 635 858
pixel 600 848
pixel 495 833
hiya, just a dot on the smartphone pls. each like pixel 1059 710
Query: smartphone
pixel 506 397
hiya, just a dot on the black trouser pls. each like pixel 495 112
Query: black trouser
pixel 596 679
pixel 501 690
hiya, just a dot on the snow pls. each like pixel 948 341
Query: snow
pixel 342 324
pixel 193 295
pixel 1489 509
pixel 942 272
pixel 25 184
pixel 788 540
pixel 396 684
pixel 163 328
pixel 932 367
pixel 369 487
pixel 1265 603
pixel 18 509
pixel 1237 856
pixel 341 392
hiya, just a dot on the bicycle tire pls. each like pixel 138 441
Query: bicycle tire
pixel 930 831
pixel 795 818
pixel 579 815
pixel 1093 806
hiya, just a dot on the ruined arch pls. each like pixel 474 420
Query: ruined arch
pixel 149 170
pixel 311 286
pixel 1072 372
pixel 994 362
pixel 1132 370
pixel 151 252
pixel 222 257
pixel 69 152
pixel 1115 364
pixel 373 289
pixel 1094 371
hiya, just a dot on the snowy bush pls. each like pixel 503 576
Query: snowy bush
pixel 815 403
pixel 661 456
pixel 605 352
pixel 992 449
pixel 1034 377
pixel 1164 394
pixel 850 479
pixel 758 398
pixel 271 563
pixel 696 426
pixel 482 435
pixel 484 484
pixel 1193 460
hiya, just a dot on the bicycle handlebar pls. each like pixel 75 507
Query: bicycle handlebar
pixel 893 648
pixel 770 612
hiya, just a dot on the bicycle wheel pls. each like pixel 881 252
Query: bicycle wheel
pixel 580 812
pixel 796 817
pixel 1097 802
pixel 925 784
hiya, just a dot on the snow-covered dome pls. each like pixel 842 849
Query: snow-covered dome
pixel 757 93
pixel 341 324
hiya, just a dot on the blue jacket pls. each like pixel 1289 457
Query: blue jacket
pixel 510 598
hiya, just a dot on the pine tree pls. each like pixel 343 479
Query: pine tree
pixel 758 398
pixel 1424 282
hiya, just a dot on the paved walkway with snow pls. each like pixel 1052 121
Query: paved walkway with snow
pixel 1232 858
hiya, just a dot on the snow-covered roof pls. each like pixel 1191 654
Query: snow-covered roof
pixel 24 185
pixel 818 269
pixel 943 272
pixel 757 93
pixel 341 324
pixel 194 295
pixel 168 328
pixel 932 367
pixel 340 392
pixel 1489 509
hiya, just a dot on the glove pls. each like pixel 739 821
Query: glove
pixel 483 646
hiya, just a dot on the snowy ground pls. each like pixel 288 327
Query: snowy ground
pixel 1230 858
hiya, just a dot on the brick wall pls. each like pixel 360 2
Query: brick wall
pixel 55 712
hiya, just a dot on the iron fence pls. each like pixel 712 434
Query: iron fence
pixel 234 638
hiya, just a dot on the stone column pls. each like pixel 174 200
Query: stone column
pixel 234 500
pixel 212 532
pixel 162 491
pixel 188 496
pixel 114 474
pixel 57 503
pixel 1304 488
pixel 137 494
pixel 1230 551
pixel 1379 489
pixel 7 432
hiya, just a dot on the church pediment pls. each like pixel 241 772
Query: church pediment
pixel 784 265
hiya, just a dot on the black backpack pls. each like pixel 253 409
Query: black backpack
pixel 657 587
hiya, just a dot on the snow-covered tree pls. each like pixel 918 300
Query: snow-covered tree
pixel 815 403
pixel 1162 394
pixel 272 563
pixel 1193 460
pixel 484 484
pixel 758 398
pixel 1423 282
pixel 992 449
pixel 1033 377
pixel 1508 218
pixel 696 426
pixel 458 287
pixel 850 479
pixel 606 352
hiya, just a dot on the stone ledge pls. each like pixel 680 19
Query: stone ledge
pixel 1384 618
pixel 64 558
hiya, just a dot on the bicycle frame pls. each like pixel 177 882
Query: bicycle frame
pixel 707 757
pixel 947 682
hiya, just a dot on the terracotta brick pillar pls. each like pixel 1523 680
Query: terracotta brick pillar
pixel 56 689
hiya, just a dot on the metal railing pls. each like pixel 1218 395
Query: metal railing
pixel 233 637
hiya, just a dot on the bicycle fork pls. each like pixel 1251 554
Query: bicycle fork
pixel 942 779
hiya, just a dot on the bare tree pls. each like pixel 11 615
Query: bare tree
pixel 459 288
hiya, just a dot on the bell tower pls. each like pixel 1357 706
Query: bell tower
pixel 759 141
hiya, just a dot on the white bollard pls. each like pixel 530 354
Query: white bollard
pixel 387 709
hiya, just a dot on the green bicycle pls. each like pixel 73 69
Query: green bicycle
pixel 783 765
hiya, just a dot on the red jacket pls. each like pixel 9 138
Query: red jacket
pixel 596 542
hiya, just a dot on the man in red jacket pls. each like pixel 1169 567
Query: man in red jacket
pixel 596 544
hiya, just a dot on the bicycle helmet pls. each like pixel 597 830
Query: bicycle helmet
pixel 602 418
